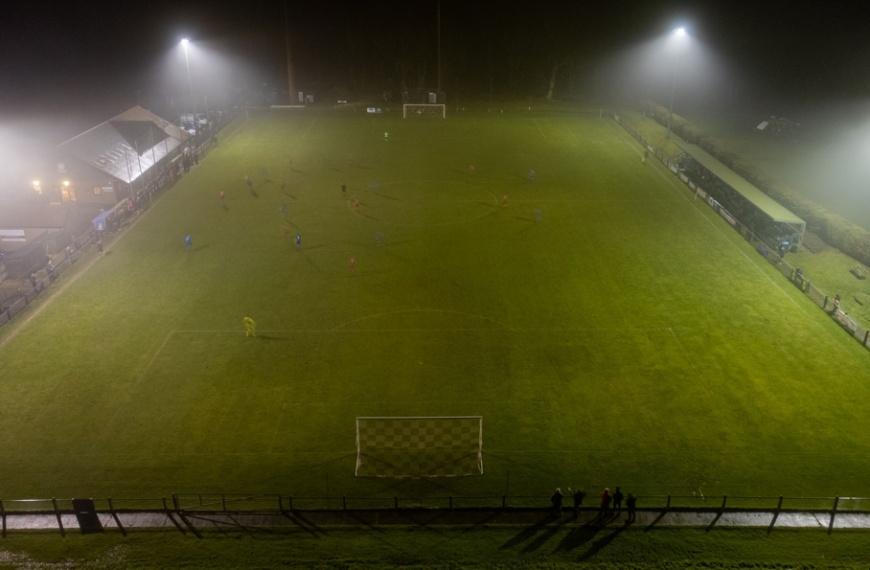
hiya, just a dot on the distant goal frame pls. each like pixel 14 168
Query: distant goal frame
pixel 424 110
pixel 417 447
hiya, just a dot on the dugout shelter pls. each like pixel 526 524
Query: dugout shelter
pixel 772 222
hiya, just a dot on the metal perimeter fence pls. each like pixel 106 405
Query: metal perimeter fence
pixel 273 509
pixel 795 275
pixel 277 503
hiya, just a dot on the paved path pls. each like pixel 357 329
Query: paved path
pixel 193 522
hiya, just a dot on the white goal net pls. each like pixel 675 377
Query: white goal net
pixel 411 111
pixel 416 447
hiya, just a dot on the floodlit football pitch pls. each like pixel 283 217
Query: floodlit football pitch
pixel 607 328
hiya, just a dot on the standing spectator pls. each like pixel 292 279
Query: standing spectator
pixel 49 270
pixel 617 500
pixel 631 504
pixel 578 500
pixel 604 505
pixel 556 499
pixel 100 247
pixel 33 280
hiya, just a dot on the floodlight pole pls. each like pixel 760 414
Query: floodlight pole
pixel 190 84
pixel 679 32
pixel 671 106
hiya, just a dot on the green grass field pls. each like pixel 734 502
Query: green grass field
pixel 628 337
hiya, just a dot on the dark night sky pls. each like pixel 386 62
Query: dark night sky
pixel 66 51
pixel 88 60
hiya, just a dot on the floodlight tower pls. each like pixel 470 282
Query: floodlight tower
pixel 678 36
pixel 184 42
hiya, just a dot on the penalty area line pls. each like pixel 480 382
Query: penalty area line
pixel 153 358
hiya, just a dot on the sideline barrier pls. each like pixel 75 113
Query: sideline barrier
pixel 243 511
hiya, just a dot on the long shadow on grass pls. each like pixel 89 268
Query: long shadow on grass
pixel 652 525
pixel 549 525
pixel 270 337
pixel 579 536
pixel 602 543
pixel 544 537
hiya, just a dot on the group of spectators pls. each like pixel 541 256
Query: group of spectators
pixel 609 504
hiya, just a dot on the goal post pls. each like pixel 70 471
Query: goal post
pixel 418 447
pixel 424 110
